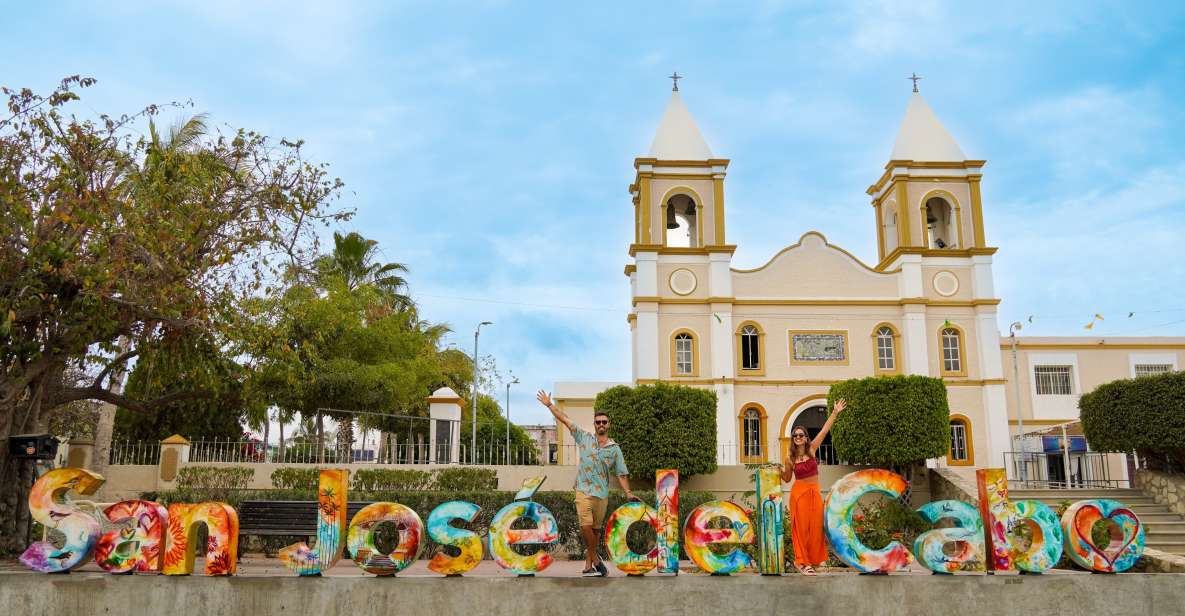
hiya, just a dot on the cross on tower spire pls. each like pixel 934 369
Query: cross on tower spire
pixel 914 78
pixel 675 77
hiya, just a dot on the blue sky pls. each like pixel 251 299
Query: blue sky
pixel 489 145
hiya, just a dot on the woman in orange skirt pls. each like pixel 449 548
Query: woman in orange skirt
pixel 806 502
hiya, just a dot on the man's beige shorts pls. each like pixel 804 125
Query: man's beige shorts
pixel 591 510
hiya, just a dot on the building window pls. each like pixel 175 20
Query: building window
pixel 752 434
pixel 1151 369
pixel 683 350
pixel 960 441
pixel 1053 380
pixel 952 351
pixel 940 223
pixel 750 348
pixel 886 349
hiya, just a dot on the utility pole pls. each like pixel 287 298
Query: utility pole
pixel 473 402
pixel 512 382
pixel 1020 421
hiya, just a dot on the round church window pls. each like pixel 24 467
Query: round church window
pixel 946 283
pixel 682 281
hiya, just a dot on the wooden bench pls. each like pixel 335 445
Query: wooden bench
pixel 297 518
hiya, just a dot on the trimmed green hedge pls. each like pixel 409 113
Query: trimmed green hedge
pixel 891 420
pixel 392 479
pixel 560 503
pixel 1144 415
pixel 662 426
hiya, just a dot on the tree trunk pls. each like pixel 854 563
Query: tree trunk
pixel 280 452
pixel 267 429
pixel 345 440
pixel 105 427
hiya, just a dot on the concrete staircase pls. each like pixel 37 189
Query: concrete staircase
pixel 1164 530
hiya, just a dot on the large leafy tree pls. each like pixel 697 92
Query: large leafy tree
pixel 195 359
pixel 335 348
pixel 110 240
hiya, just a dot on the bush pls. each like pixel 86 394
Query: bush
pixel 460 479
pixel 390 479
pixel 293 478
pixel 1144 415
pixel 215 477
pixel 891 420
pixel 560 503
pixel 662 426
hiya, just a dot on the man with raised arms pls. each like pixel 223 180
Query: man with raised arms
pixel 599 456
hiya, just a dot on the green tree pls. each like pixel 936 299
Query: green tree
pixel 891 420
pixel 662 426
pixel 100 249
pixel 1144 415
pixel 195 359
pixel 340 348
pixel 353 261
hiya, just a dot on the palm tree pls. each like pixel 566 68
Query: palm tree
pixel 354 260
pixel 159 158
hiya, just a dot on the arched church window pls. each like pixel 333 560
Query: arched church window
pixel 683 354
pixel 750 348
pixel 886 350
pixel 940 223
pixel 753 433
pixel 961 452
pixel 952 352
pixel 682 226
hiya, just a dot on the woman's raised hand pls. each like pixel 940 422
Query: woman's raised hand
pixel 840 405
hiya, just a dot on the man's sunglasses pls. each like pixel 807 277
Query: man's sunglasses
pixel 601 422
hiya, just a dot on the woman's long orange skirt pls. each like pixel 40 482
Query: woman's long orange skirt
pixel 806 524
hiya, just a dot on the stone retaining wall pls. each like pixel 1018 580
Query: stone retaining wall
pixel 916 595
pixel 1166 489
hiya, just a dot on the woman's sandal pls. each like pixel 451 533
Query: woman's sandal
pixel 807 570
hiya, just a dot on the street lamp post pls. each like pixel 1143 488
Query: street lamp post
pixel 473 402
pixel 512 382
pixel 1020 422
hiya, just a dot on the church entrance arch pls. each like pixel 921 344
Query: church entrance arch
pixel 809 413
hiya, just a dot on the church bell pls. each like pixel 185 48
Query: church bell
pixel 671 222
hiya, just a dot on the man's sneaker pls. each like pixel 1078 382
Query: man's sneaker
pixel 590 573
pixel 601 569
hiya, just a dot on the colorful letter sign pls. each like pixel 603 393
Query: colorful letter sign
pixel 837 520
pixel 697 537
pixel 502 537
pixel 1125 548
pixel 771 551
pixel 138 544
pixel 47 506
pixel 666 488
pixel 1000 516
pixel 616 529
pixel 332 492
pixel 222 538
pixel 930 547
pixel 360 538
pixel 443 532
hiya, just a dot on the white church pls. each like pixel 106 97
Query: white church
pixel 771 340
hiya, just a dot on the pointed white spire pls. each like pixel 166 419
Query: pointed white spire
pixel 922 136
pixel 678 136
